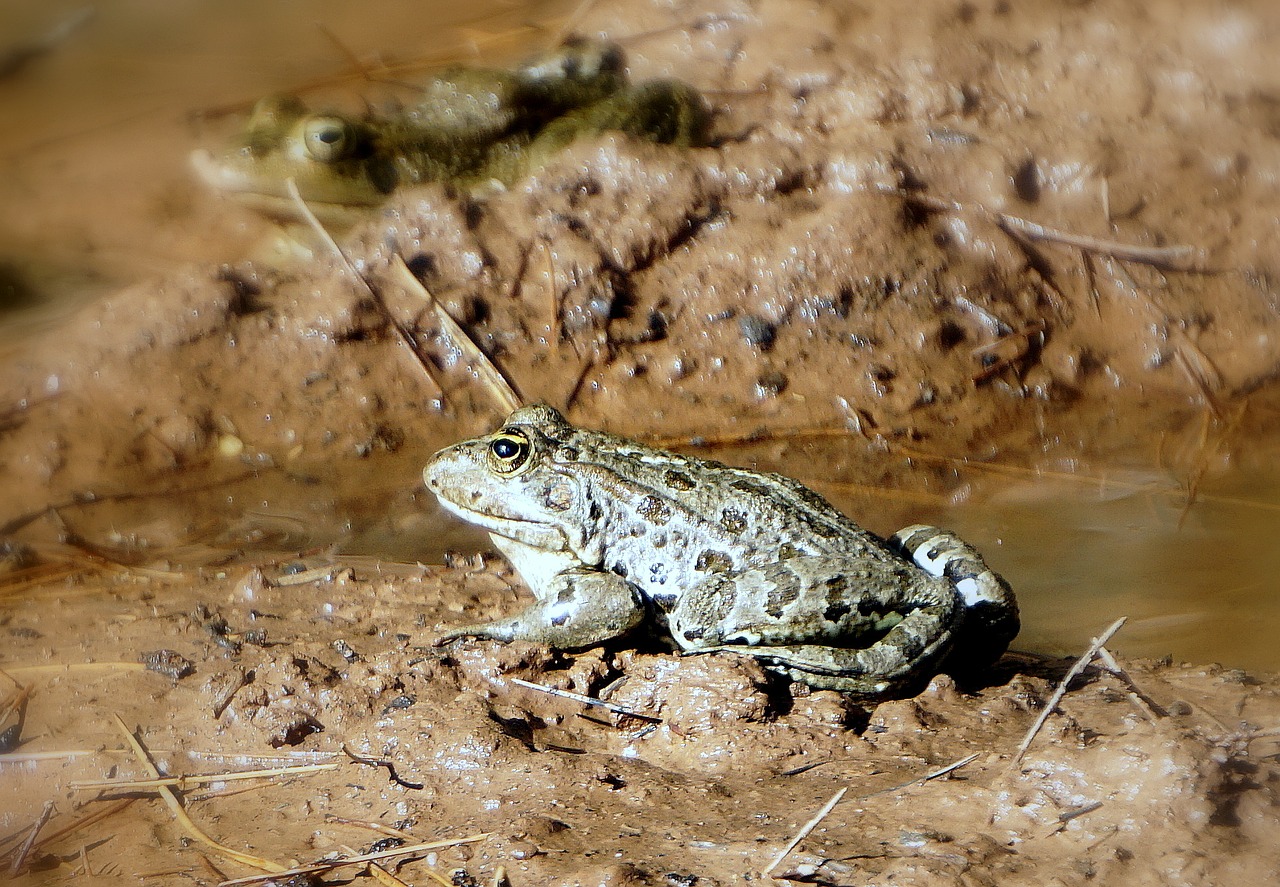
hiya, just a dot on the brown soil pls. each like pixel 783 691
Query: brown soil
pixel 847 266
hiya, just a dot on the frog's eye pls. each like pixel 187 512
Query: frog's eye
pixel 508 452
pixel 327 138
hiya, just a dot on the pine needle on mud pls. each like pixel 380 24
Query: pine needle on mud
pixel 175 805
pixel 182 782
pixel 806 829
pixel 499 388
pixel 406 338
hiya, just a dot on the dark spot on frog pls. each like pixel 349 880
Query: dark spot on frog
pixel 694 634
pixel 713 562
pixel 733 520
pixel 567 454
pixel 658 574
pixel 786 550
pixel 679 481
pixel 654 510
pixel 664 601
pixel 783 589
pixel 867 607
pixel 836 612
pixel 752 489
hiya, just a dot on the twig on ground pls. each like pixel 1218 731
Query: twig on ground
pixel 372 826
pixel 406 338
pixel 805 830
pixel 389 766
pixel 88 819
pixel 1144 703
pixel 950 768
pixel 1170 258
pixel 586 700
pixel 20 857
pixel 439 878
pixel 1052 704
pixel 65 668
pixel 330 864
pixel 182 782
pixel 502 391
pixel 381 875
pixel 238 683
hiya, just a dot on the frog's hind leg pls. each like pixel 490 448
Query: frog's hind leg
pixel 876 671
pixel 866 625
pixel 990 608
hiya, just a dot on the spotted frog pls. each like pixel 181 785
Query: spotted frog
pixel 609 533
pixel 469 126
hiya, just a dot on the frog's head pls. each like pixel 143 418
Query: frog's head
pixel 521 482
pixel 336 162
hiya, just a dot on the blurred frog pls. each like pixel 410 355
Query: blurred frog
pixel 470 126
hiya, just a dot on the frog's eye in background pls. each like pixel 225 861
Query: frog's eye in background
pixel 508 451
pixel 327 138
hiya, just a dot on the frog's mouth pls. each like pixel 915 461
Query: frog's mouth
pixel 520 529
pixel 266 195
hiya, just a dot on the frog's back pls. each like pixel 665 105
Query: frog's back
pixel 754 517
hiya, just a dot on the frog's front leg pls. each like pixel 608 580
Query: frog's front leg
pixel 578 608
pixel 869 625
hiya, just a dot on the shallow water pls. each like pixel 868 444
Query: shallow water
pixel 1200 583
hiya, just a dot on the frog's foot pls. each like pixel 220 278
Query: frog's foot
pixel 584 608
pixel 877 671
pixel 990 608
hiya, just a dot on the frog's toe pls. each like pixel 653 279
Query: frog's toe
pixel 500 631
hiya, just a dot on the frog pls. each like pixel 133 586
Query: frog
pixel 611 535
pixel 474 127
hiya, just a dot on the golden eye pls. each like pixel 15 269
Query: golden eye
pixel 327 138
pixel 508 452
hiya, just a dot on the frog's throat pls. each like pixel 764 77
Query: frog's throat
pixel 536 535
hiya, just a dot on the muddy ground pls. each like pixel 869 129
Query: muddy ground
pixel 978 230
